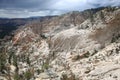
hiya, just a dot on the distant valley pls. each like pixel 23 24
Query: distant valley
pixel 7 25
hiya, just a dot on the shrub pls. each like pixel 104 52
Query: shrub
pixel 16 77
pixel 28 75
pixel 45 66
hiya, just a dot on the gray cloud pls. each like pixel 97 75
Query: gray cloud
pixel 23 4
pixel 26 13
pixel 27 8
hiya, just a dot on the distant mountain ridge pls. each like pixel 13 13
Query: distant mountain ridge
pixel 7 25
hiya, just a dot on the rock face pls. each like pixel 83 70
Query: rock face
pixel 68 47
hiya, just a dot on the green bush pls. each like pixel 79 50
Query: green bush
pixel 45 66
pixel 16 77
pixel 28 75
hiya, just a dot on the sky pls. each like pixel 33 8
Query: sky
pixel 29 8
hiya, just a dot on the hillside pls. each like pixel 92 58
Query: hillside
pixel 73 46
pixel 8 26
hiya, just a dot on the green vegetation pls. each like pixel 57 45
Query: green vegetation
pixel 28 75
pixel 3 60
pixel 87 54
pixel 38 71
pixel 95 51
pixel 65 77
pixel 110 9
pixel 28 60
pixel 115 38
pixel 25 76
pixel 15 63
pixel 91 18
pixel 102 16
pixel 46 66
pixel 16 77
pixel 10 56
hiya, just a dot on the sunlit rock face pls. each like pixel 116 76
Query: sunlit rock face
pixel 68 47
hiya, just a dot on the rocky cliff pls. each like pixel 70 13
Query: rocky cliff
pixel 74 46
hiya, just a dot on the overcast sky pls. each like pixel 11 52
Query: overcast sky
pixel 28 8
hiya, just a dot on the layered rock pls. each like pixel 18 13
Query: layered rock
pixel 65 49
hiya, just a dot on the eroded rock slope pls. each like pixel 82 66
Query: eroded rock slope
pixel 86 49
